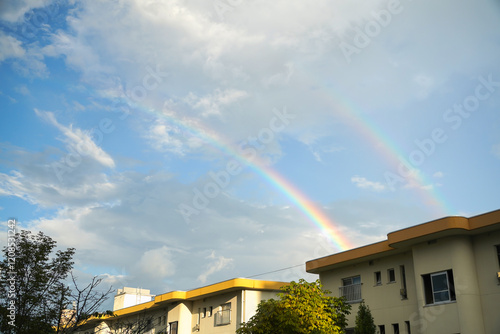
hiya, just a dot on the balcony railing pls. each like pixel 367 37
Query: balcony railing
pixel 352 293
pixel 223 317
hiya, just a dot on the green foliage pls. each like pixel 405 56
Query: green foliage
pixel 364 321
pixel 34 295
pixel 32 282
pixel 302 308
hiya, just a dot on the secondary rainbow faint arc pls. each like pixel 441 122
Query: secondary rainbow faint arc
pixel 392 153
pixel 301 201
pixel 372 134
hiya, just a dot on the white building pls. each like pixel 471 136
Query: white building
pixel 440 277
pixel 127 297
pixel 219 308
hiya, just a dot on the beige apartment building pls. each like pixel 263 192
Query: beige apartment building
pixel 440 277
pixel 219 308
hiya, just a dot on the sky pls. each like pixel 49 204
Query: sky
pixel 181 143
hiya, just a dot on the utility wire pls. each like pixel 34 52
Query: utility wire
pixel 275 271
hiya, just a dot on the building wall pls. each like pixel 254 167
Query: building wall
pixel 131 296
pixel 243 307
pixel 488 266
pixel 463 315
pixel 207 324
pixel 385 301
pixel 251 299
pixel 181 312
pixel 474 265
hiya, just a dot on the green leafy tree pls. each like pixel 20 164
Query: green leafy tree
pixel 364 321
pixel 302 308
pixel 34 295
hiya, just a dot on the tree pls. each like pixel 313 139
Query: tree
pixel 302 308
pixel 364 321
pixel 34 295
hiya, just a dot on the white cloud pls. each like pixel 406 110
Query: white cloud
pixel 218 263
pixel 211 104
pixel 14 10
pixel 363 183
pixel 438 174
pixel 23 90
pixel 165 137
pixel 10 47
pixel 80 142
pixel 156 263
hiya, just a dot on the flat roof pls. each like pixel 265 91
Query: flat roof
pixel 199 293
pixel 400 239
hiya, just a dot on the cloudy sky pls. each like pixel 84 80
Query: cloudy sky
pixel 179 143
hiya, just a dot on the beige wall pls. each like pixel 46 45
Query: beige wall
pixel 243 306
pixel 251 300
pixel 487 267
pixel 474 263
pixel 207 324
pixel 385 301
pixel 456 253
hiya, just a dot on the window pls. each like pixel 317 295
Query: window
pixel 223 316
pixel 498 253
pixel 204 313
pixel 378 278
pixel 351 289
pixel 439 287
pixel 395 328
pixel 159 321
pixel 209 314
pixel 404 292
pixel 381 329
pixel 172 327
pixel 391 276
pixel 408 328
pixel 149 324
pixel 164 320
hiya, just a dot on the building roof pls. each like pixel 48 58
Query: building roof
pixel 398 241
pixel 200 293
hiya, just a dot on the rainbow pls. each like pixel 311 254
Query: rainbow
pixel 388 149
pixel 360 122
pixel 301 201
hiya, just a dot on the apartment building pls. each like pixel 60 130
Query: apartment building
pixel 219 308
pixel 439 277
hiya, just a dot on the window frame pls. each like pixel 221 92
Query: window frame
pixel 174 330
pixel 498 254
pixel 391 275
pixel 355 283
pixel 378 278
pixel 430 292
pixel 219 319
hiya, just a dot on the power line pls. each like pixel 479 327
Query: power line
pixel 275 271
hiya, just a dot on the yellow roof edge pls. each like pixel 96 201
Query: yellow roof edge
pixel 449 223
pixel 243 283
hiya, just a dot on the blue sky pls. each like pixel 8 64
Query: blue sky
pixel 113 115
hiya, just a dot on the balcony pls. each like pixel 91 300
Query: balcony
pixel 352 293
pixel 223 317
